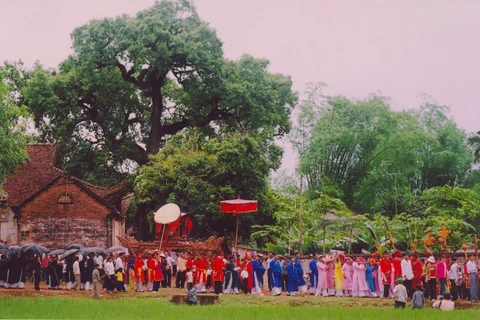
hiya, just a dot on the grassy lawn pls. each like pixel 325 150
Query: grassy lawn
pixel 157 306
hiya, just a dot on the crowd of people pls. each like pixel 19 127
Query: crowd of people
pixel 378 276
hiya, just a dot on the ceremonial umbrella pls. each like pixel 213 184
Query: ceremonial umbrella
pixel 236 207
pixel 56 252
pixel 68 253
pixel 15 249
pixel 165 215
pixel 117 249
pixel 74 246
pixel 34 249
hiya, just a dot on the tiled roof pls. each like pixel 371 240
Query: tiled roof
pixel 33 175
pixel 40 170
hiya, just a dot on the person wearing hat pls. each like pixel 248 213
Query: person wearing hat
pixel 258 272
pixel 431 278
pixel 444 303
pixel 400 294
pixel 276 270
pixel 302 285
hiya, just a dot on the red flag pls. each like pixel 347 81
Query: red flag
pixel 189 225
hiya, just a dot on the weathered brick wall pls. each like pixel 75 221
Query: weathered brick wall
pixel 54 225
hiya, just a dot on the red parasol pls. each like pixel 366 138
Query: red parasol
pixel 238 206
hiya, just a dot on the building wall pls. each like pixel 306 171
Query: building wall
pixel 8 227
pixel 54 225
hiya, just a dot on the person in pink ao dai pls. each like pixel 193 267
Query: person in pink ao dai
pixel 359 283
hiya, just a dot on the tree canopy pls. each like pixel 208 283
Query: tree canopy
pixel 12 132
pixel 196 172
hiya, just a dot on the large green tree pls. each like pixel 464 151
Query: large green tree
pixel 376 159
pixel 133 82
pixel 196 172
pixel 12 132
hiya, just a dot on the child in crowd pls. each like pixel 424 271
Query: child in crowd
pixel 192 296
pixel 120 283
pixel 400 294
pixel 209 276
pixel 189 278
pixel 244 278
pixel 417 299
pixel 131 278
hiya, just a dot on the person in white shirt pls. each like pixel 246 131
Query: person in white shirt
pixel 472 271
pixel 400 294
pixel 453 277
pixel 444 303
pixel 110 271
pixel 407 274
pixel 168 271
pixel 98 259
pixel 119 261
pixel 76 274
pixel 181 270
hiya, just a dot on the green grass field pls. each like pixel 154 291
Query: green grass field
pixel 151 306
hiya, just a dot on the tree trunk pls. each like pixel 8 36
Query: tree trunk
pixel 156 134
pixel 141 223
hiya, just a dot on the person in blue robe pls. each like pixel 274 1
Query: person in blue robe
pixel 369 278
pixel 276 270
pixel 292 283
pixel 302 285
pixel 312 266
pixel 258 272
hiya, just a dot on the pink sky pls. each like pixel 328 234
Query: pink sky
pixel 401 48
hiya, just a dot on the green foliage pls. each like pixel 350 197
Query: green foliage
pixel 12 132
pixel 133 82
pixel 196 172
pixel 376 159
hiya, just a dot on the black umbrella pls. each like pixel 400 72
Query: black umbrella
pixel 56 252
pixel 4 250
pixel 99 250
pixel 3 246
pixel 15 249
pixel 33 248
pixel 74 246
pixel 68 253
pixel 117 249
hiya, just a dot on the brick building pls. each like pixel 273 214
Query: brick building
pixel 47 207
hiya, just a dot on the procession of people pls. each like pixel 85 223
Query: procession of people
pixel 337 275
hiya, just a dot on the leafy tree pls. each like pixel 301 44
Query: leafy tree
pixel 133 82
pixel 197 172
pixel 375 159
pixel 12 133
pixel 474 142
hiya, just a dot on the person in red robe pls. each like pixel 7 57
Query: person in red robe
pixel 397 265
pixel 417 270
pixel 201 273
pixel 218 268
pixel 385 274
pixel 150 267
pixel 247 263
pixel 157 272
pixel 139 274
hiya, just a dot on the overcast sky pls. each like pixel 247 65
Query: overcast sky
pixel 401 48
